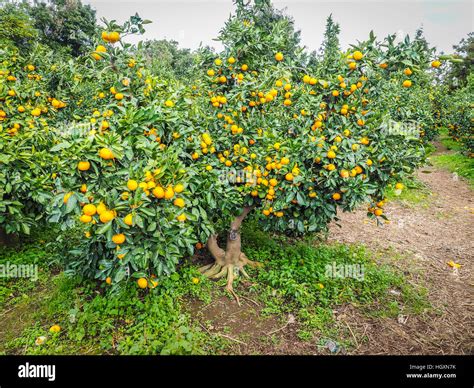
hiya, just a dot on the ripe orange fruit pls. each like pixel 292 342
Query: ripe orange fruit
pixel 169 193
pixel 55 329
pixel 352 66
pixel 85 219
pixel 101 49
pixel 67 196
pixel 128 219
pixel 344 173
pixel 132 185
pixel 181 217
pixel 331 154
pixel 118 238
pixel 36 112
pixel 179 188
pixel 435 64
pixel 119 96
pixel 158 192
pixel 408 71
pixel 289 177
pixel 179 202
pixel 108 280
pixel 106 154
pixel 406 83
pixel 114 37
pixel 106 216
pixel 142 283
pixel 89 209
pixel 83 188
pixel 101 208
pixel 357 55
pixel 335 93
pixel 336 196
pixel 287 102
pixel 279 57
pixel 378 212
pixel 83 166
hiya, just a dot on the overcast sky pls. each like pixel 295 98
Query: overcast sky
pixel 191 22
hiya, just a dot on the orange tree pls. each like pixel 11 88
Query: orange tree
pixel 297 144
pixel 28 106
pixel 150 165
pixel 456 114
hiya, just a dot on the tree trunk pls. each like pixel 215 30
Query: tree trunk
pixel 230 259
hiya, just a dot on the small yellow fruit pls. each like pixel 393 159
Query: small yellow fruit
pixel 106 154
pixel 142 283
pixel 106 216
pixel 118 238
pixel 179 202
pixel 279 57
pixel 89 209
pixel 357 55
pixel 179 188
pixel 128 220
pixel 55 329
pixel 83 166
pixel 132 185
pixel 169 193
pixel 85 219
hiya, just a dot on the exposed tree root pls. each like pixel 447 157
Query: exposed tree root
pixel 232 258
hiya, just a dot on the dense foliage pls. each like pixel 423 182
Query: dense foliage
pixel 147 158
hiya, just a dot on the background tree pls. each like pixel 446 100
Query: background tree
pixel 64 24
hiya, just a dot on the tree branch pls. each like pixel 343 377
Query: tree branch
pixel 216 252
pixel 237 222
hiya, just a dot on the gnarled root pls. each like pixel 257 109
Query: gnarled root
pixel 226 261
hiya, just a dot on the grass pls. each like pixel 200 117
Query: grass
pixel 295 280
pixel 456 163
pixel 92 320
pixel 415 193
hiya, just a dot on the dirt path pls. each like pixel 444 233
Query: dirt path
pixel 426 237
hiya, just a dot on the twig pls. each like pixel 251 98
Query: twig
pixel 232 339
pixel 222 335
pixel 277 330
pixel 250 300
pixel 353 336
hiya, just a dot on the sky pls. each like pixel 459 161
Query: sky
pixel 191 22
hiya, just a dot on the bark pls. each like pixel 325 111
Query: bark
pixel 233 257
